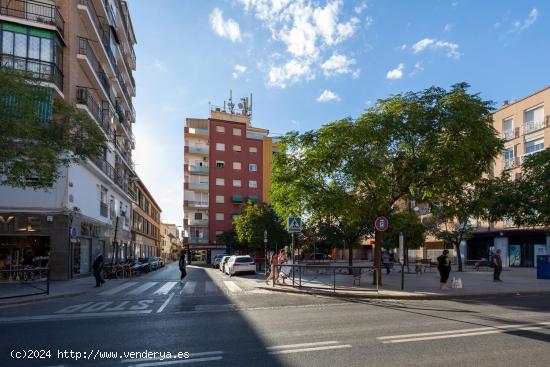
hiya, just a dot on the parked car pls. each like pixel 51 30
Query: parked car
pixel 145 265
pixel 217 259
pixel 160 262
pixel 240 264
pixel 223 262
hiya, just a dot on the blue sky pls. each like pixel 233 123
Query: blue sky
pixel 311 62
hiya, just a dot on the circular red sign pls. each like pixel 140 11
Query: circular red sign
pixel 381 224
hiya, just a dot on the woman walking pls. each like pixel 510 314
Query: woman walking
pixel 182 265
pixel 273 273
pixel 444 267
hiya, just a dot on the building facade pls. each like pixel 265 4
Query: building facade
pixel 145 223
pixel 170 242
pixel 83 52
pixel 228 162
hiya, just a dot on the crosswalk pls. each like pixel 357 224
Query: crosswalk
pixel 164 288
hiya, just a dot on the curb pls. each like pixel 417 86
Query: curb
pixel 407 297
pixel 22 301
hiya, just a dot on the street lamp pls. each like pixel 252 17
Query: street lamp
pixel 265 251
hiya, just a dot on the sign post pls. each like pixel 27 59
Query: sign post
pixel 381 225
pixel 294 225
pixel 402 258
pixel 265 251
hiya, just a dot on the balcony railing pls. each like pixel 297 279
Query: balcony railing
pixel 198 169
pixel 193 130
pixel 34 11
pixel 198 186
pixel 524 156
pixel 198 222
pixel 41 70
pixel 102 29
pixel 531 126
pixel 84 48
pixel 510 163
pixel 85 97
pixel 105 167
pixel 198 150
pixel 511 134
pixel 198 239
pixel 198 204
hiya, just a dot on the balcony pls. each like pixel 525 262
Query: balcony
pixel 255 136
pixel 105 167
pixel 524 156
pixel 198 222
pixel 254 199
pixel 85 52
pixel 41 70
pixel 198 240
pixel 531 126
pixel 198 204
pixel 85 97
pixel 34 11
pixel 510 163
pixel 236 198
pixel 193 130
pixel 201 186
pixel 511 134
pixel 198 170
pixel 197 150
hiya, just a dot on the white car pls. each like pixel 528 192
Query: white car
pixel 223 262
pixel 240 264
pixel 217 260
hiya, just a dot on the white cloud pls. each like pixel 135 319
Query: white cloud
pixel 359 8
pixel 291 72
pixel 418 68
pixel 519 26
pixel 368 21
pixel 451 48
pixel 308 30
pixel 225 28
pixel 239 70
pixel 328 96
pixel 403 47
pixel 396 73
pixel 337 64
pixel 448 27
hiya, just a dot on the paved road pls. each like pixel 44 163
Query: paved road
pixel 220 321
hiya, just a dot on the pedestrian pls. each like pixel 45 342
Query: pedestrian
pixel 273 261
pixel 497 266
pixel 386 261
pixel 97 267
pixel 444 267
pixel 182 266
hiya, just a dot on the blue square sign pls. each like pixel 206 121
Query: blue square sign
pixel 294 225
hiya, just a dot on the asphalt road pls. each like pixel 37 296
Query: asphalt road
pixel 221 321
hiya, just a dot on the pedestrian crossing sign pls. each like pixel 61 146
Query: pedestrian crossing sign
pixel 294 225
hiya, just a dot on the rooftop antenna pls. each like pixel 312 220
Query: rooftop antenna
pixel 231 105
pixel 250 108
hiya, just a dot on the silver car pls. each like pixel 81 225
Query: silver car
pixel 223 261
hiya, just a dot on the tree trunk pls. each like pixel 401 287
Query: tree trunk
pixel 350 256
pixel 459 256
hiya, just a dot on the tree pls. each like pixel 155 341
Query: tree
pixel 319 235
pixel 229 239
pixel 253 221
pixel 418 145
pixel 414 232
pixel 39 133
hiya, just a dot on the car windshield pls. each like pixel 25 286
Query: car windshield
pixel 244 260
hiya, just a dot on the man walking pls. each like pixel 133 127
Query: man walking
pixel 497 266
pixel 97 267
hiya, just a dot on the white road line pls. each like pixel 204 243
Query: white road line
pixel 179 361
pixel 166 288
pixel 189 288
pixel 460 331
pixel 115 290
pixel 328 347
pixel 191 355
pixel 161 308
pixel 71 316
pixel 210 287
pixel 302 345
pixel 141 289
pixel 233 288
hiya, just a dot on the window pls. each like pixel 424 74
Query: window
pixel 253 167
pixel 253 184
pixel 534 146
pixel 218 233
pixel 220 199
pixel 237 132
pixel 198 216
pixel 507 124
pixel 220 182
pixel 220 164
pixel 220 147
pixel 236 148
pixel 236 165
pixel 236 183
pixel 509 154
pixel 220 129
pixel 533 119
pixel 253 150
pixel 219 216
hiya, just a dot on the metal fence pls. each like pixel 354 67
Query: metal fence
pixel 24 282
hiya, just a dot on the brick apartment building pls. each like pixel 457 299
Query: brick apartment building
pixel 228 162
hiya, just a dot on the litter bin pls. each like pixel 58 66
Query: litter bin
pixel 543 267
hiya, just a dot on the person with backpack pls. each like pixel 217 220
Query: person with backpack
pixel 444 267
pixel 182 266
pixel 97 267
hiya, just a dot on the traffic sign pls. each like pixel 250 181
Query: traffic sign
pixel 381 224
pixel 294 225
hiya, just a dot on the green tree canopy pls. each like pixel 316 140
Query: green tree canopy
pixel 39 133
pixel 414 232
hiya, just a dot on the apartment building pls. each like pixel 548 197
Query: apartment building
pixel 145 223
pixel 82 50
pixel 524 125
pixel 170 242
pixel 228 162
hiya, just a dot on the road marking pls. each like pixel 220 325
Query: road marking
pixel 497 329
pixel 70 316
pixel 302 345
pixel 191 356
pixel 179 361
pixel 210 287
pixel 189 288
pixel 233 288
pixel 313 349
pixel 166 288
pixel 115 290
pixel 141 288
pixel 165 303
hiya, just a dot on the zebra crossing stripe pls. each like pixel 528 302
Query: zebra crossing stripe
pixel 189 288
pixel 142 288
pixel 166 288
pixel 120 288
pixel 233 288
pixel 210 287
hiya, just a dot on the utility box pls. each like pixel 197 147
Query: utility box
pixel 543 267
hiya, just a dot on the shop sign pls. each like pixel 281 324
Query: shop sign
pixel 13 224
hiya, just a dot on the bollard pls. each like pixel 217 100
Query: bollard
pixel 334 281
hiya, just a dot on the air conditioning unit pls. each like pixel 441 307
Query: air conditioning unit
pixel 547 120
pixel 516 132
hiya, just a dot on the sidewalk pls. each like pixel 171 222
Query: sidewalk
pixel 516 281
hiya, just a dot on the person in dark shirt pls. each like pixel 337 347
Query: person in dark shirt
pixel 497 266
pixel 97 267
pixel 444 267
pixel 182 266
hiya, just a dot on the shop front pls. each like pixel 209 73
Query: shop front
pixel 205 254
pixel 89 238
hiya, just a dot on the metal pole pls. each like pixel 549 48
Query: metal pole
pixel 401 258
pixel 48 282
pixel 334 279
pixel 265 252
pixel 292 257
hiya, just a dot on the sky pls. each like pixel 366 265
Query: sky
pixel 308 63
